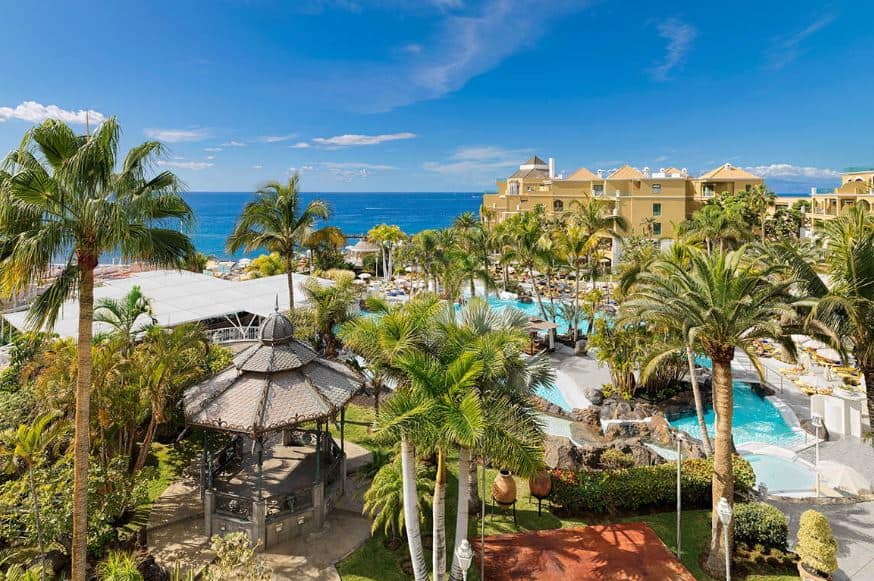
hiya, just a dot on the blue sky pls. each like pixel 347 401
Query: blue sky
pixel 448 95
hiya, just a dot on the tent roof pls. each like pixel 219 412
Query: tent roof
pixel 183 297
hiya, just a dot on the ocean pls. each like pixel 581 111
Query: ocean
pixel 353 213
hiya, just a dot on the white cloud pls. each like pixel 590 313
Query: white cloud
pixel 484 161
pixel 277 138
pixel 176 135
pixel 210 157
pixel 233 143
pixel 786 49
pixel 348 171
pixel 213 149
pixel 257 166
pixel 351 140
pixel 300 145
pixel 37 113
pixel 789 172
pixel 192 165
pixel 680 37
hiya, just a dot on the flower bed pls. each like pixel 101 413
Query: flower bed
pixel 596 491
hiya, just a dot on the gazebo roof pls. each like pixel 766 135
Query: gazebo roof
pixel 275 384
pixel 365 246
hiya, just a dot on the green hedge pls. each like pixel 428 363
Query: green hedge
pixel 757 523
pixel 592 491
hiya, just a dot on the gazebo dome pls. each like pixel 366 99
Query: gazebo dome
pixel 276 329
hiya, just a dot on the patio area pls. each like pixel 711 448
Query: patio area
pixel 600 552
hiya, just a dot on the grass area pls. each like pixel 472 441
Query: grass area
pixel 170 460
pixel 374 561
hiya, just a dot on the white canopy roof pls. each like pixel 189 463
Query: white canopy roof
pixel 184 297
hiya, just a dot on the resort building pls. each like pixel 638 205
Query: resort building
pixel 653 202
pixel 857 187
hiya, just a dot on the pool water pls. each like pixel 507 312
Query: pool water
pixel 782 475
pixel 553 395
pixel 532 309
pixel 755 420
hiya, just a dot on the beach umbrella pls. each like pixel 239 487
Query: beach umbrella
pixel 829 353
pixel 535 273
pixel 511 270
pixel 364 275
pixel 813 344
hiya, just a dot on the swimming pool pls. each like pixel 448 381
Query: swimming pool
pixel 755 420
pixel 553 395
pixel 532 309
pixel 783 476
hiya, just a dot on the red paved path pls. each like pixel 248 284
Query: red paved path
pixel 629 551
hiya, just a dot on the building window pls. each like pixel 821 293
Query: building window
pixel 598 189
pixel 529 189
pixel 558 206
pixel 656 209
pixel 709 189
pixel 656 228
pixel 656 188
pixel 514 188
pixel 749 187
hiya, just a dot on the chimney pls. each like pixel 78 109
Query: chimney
pixel 813 191
pixel 600 173
pixel 551 168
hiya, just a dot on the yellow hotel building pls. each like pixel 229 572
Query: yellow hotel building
pixel 652 202
pixel 857 187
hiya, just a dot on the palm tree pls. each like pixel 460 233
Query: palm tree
pixel 384 500
pixel 277 221
pixel 28 445
pixel 122 315
pixel 574 244
pixel 318 242
pixel 71 199
pixel 527 232
pixel 714 227
pixel 169 359
pixel 387 237
pixel 331 306
pixel 840 309
pixel 597 221
pixel 720 302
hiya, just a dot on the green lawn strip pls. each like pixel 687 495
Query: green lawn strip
pixel 170 460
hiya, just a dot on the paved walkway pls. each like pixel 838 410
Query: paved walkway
pixel 574 373
pixel 853 526
pixel 175 530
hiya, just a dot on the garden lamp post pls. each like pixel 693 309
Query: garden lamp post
pixel 723 509
pixel 681 437
pixel 465 557
pixel 816 420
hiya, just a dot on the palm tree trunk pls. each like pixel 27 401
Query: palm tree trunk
pixel 35 500
pixel 699 404
pixel 377 389
pixel 506 273
pixel 537 291
pixel 473 503
pixel 82 436
pixel 723 478
pixel 472 287
pixel 577 301
pixel 411 511
pixel 147 444
pixel 289 273
pixel 868 374
pixel 461 512
pixel 438 517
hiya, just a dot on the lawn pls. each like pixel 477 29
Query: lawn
pixel 374 561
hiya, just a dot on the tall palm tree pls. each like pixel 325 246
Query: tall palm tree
pixel 721 302
pixel 598 221
pixel 125 316
pixel 331 306
pixel 840 309
pixel 318 242
pixel 277 221
pixel 28 445
pixel 714 227
pixel 72 199
pixel 527 233
pixel 574 245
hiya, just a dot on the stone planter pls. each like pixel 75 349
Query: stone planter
pixel 808 576
pixel 504 488
pixel 540 484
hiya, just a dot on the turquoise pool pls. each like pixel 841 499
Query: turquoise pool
pixel 532 309
pixel 553 395
pixel 782 475
pixel 755 420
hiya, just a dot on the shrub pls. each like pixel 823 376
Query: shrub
pixel 614 459
pixel 119 566
pixel 236 560
pixel 757 523
pixel 816 547
pixel 644 486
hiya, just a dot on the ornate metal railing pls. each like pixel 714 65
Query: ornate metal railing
pixel 226 456
pixel 232 334
pixel 233 505
pixel 289 503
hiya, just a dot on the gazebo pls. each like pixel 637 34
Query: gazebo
pixel 361 249
pixel 281 472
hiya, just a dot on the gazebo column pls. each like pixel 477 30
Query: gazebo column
pixel 318 483
pixel 259 507
pixel 342 449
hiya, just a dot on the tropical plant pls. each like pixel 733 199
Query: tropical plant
pixel 816 546
pixel 713 226
pixel 598 222
pixel 386 237
pixel 267 265
pixel 29 445
pixel 119 566
pixel 324 247
pixel 331 305
pixel 383 501
pixel 124 316
pixel 72 199
pixel 721 302
pixel 278 221
pixel 236 560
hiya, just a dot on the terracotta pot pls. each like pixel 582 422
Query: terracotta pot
pixel 504 488
pixel 540 484
pixel 808 576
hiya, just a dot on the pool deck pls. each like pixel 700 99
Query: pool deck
pixel 574 372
